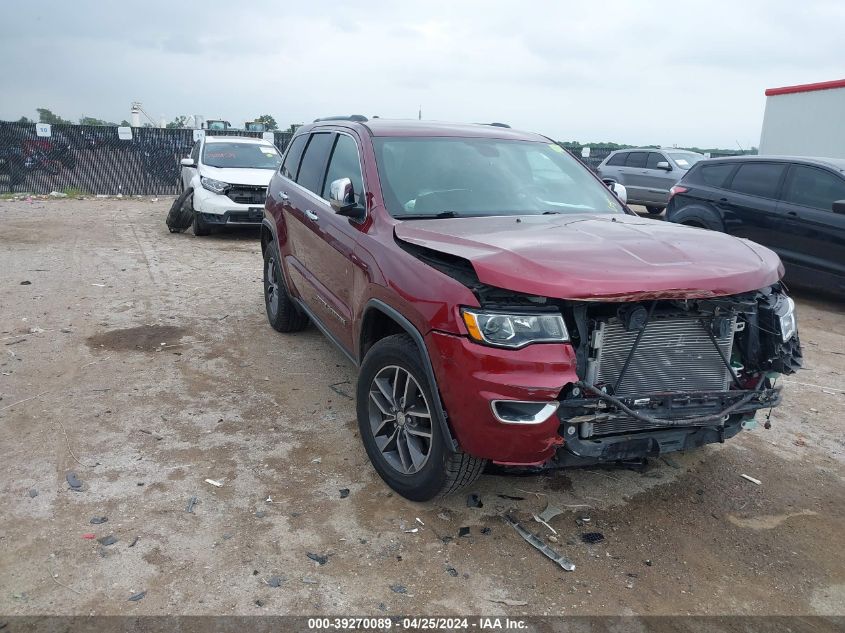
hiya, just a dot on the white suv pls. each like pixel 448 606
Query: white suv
pixel 224 182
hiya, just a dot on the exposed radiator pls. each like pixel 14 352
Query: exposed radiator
pixel 674 354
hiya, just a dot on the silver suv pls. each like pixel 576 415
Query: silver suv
pixel 647 174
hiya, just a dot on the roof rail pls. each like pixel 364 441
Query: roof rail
pixel 352 117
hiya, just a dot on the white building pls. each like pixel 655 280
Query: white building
pixel 806 120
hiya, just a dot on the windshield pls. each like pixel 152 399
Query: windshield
pixel 243 155
pixel 426 177
pixel 685 160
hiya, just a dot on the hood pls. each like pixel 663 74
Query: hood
pixel 599 257
pixel 237 176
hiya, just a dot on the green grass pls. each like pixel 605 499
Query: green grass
pixel 74 192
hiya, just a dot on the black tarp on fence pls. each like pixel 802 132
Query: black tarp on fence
pixel 94 159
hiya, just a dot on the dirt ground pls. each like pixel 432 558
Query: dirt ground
pixel 142 362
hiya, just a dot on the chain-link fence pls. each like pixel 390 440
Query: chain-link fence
pixel 96 159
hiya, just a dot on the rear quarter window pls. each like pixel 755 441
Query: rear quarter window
pixel 618 159
pixel 714 175
pixel 292 156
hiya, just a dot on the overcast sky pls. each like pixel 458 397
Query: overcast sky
pixel 685 73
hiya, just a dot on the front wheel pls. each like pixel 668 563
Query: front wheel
pixel 282 313
pixel 654 210
pixel 401 428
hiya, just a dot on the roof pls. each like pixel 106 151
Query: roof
pixel 210 138
pixel 822 85
pixel 656 149
pixel 837 164
pixel 411 127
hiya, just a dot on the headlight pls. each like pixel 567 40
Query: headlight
pixel 515 330
pixel 788 322
pixel 216 186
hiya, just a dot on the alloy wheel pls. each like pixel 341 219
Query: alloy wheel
pixel 400 419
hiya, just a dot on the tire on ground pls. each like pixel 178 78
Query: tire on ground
pixel 446 471
pixel 181 213
pixel 654 210
pixel 283 314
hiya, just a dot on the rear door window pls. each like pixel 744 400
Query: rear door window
pixel 313 166
pixel 653 159
pixel 291 164
pixel 812 187
pixel 618 159
pixel 636 159
pixel 714 175
pixel 758 179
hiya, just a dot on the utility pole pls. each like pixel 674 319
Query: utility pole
pixel 419 115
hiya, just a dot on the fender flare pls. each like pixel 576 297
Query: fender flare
pixel 414 333
pixel 705 213
pixel 267 224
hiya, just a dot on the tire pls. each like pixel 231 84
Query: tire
pixel 437 471
pixel 699 217
pixel 654 210
pixel 282 312
pixel 200 228
pixel 181 214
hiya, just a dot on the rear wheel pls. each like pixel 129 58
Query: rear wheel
pixel 401 429
pixel 654 210
pixel 699 217
pixel 282 312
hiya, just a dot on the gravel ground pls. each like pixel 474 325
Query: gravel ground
pixel 142 362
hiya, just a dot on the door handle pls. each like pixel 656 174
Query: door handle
pixel 284 196
pixel 792 213
pixel 311 215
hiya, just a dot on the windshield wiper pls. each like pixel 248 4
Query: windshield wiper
pixel 428 216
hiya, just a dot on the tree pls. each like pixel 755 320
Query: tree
pixel 46 116
pixel 268 121
pixel 124 123
pixel 178 122
pixel 24 119
pixel 293 128
pixel 89 120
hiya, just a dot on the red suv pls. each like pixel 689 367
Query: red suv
pixel 504 306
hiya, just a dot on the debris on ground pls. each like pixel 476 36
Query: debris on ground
pixel 474 501
pixel 452 572
pixel 751 479
pixel 214 483
pixel 336 388
pixel 260 514
pixel 33 493
pixel 550 513
pixel 135 597
pixel 508 601
pixel 486 530
pixel 73 481
pixel 510 497
pixel 538 543
pixel 191 503
pixel 648 562
pixel 90 536
pixel 582 520
pixel 419 520
pixel 98 520
pixel 398 588
pixel 344 492
pixel 309 581
pixel 317 460
pixel 320 559
pixel 444 516
pixel 539 520
pixel 26 282
pixel 592 537
pixel 411 531
pixel 275 581
pixel 134 541
pixel 111 539
pixel 464 531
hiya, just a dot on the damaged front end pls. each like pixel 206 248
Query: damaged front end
pixel 666 375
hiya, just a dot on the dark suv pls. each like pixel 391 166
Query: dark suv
pixel 502 304
pixel 793 205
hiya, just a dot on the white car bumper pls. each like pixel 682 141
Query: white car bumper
pixel 219 209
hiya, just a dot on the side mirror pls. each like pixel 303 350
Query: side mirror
pixel 187 162
pixel 342 199
pixel 839 206
pixel 664 165
pixel 620 192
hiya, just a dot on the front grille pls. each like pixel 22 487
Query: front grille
pixel 247 194
pixel 674 354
